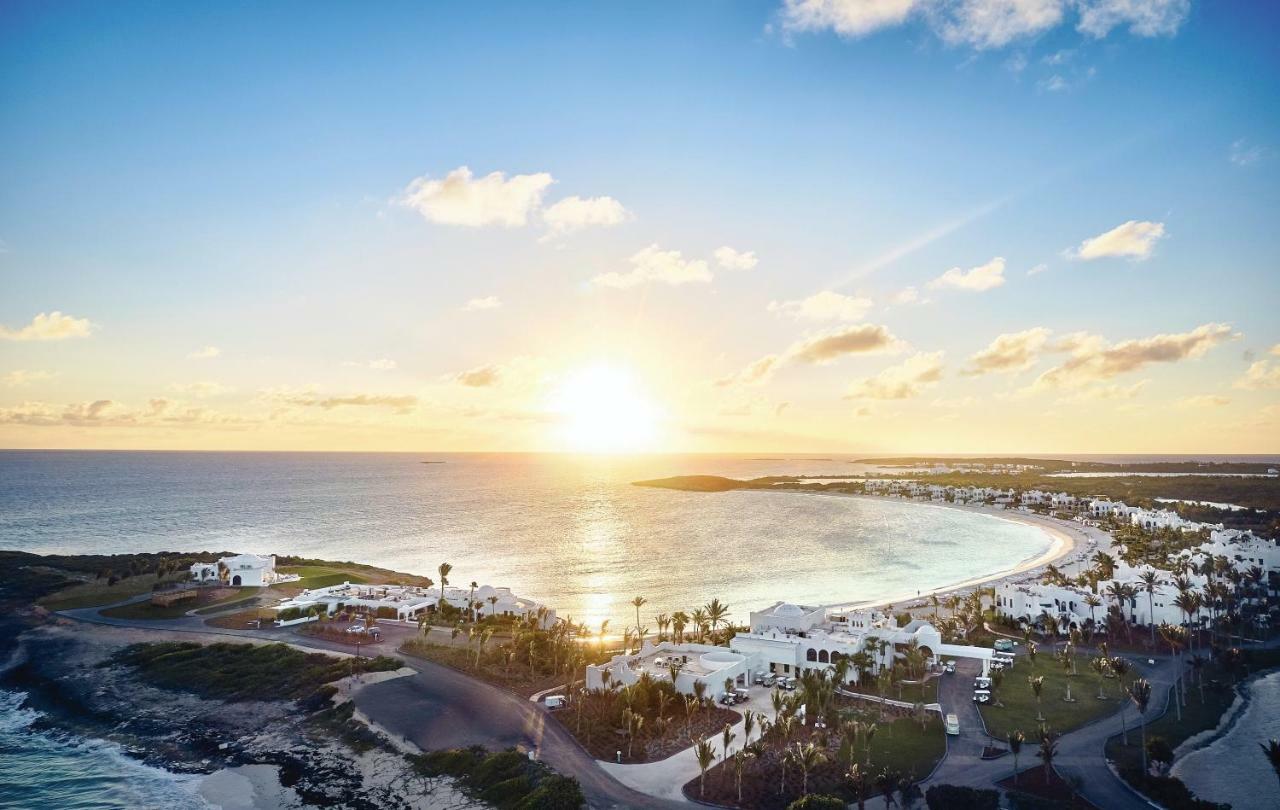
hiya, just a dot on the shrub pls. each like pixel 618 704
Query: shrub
pixel 453 762
pixel 507 792
pixel 554 792
pixel 498 768
pixel 955 797
pixel 816 801
pixel 385 612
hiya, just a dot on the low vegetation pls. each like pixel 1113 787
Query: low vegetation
pixel 203 600
pixel 1016 706
pixel 507 779
pixel 236 672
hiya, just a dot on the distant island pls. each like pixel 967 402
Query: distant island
pixel 1051 465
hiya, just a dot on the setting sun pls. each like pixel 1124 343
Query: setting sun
pixel 600 409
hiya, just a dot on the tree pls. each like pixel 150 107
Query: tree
pixel 1099 665
pixel 471 599
pixel 706 754
pixel 726 737
pixel 1016 738
pixel 1140 693
pixel 444 570
pixel 1037 686
pixel 740 758
pixel 1271 749
pixel 638 603
pixel 857 779
pixel 1120 667
pixel 679 621
pixel 806 757
pixel 716 613
pixel 1048 750
pixel 748 725
pixel 887 782
pixel 815 802
pixel 493 605
pixel 1150 581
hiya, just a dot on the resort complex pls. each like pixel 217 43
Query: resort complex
pixel 248 570
pixel 409 603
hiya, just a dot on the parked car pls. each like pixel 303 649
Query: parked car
pixel 949 667
pixel 981 696
pixel 741 695
pixel 555 701
pixel 769 680
pixel 1003 645
pixel 999 663
pixel 981 683
pixel 356 628
pixel 952 725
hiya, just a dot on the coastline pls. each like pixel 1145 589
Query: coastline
pixel 1065 539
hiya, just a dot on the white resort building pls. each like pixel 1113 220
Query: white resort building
pixel 249 570
pixel 693 663
pixel 407 602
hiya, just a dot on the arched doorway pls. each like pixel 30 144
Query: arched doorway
pixel 236 580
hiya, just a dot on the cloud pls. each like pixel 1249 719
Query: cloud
pixel 480 377
pixel 1204 401
pixel 462 199
pixel 957 402
pixel 1038 269
pixel 984 24
pixel 866 338
pixel 731 259
pixel 903 381
pixel 401 404
pixel 758 372
pixel 1009 353
pixel 907 295
pixel 103 413
pixel 20 377
pixel 1274 350
pixel 1132 239
pixel 575 213
pixel 1243 153
pixel 207 353
pixel 1145 18
pixel 824 306
pixel 657 266
pixel 977 279
pixel 1093 359
pixel 49 326
pixel 480 304
pixel 381 364
pixel 201 389
pixel 1262 374
pixel 1110 392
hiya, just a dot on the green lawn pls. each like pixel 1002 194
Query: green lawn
pixel 146 610
pixel 318 576
pixel 97 592
pixel 903 746
pixel 1018 711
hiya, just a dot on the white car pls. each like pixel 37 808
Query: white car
pixel 952 725
pixel 981 696
pixel 356 628
pixel 949 667
pixel 981 683
pixel 554 701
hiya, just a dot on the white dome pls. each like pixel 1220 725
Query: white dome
pixel 485 591
pixel 787 609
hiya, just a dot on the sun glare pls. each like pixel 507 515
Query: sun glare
pixel 601 410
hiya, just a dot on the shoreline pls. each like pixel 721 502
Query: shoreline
pixel 1065 541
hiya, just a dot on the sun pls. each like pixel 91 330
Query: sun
pixel 600 409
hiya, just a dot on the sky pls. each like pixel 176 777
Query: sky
pixel 743 226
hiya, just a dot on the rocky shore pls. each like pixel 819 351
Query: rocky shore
pixel 323 754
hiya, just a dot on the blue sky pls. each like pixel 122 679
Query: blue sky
pixel 184 176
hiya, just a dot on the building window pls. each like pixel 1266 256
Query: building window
pixel 823 657
pixel 811 655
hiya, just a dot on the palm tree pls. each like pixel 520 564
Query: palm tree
pixel 1037 686
pixel 857 778
pixel 748 726
pixel 700 623
pixel 807 757
pixel 444 570
pixel 716 614
pixel 638 603
pixel 1140 693
pixel 1272 750
pixel 868 733
pixel 1099 665
pixel 726 737
pixel 706 754
pixel 493 605
pixel 740 758
pixel 1016 738
pixel 679 621
pixel 1151 581
pixel 1093 602
pixel 604 626
pixel 1048 750
pixel 471 599
pixel 662 620
pixel 1120 667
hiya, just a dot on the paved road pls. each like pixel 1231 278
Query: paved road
pixel 441 708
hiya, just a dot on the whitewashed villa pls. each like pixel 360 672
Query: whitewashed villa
pixel 408 602
pixel 248 570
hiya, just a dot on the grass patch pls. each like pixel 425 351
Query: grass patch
pixel 97 592
pixel 506 779
pixel 146 610
pixel 1018 712
pixel 236 672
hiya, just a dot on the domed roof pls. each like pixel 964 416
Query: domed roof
pixel 789 610
pixel 485 591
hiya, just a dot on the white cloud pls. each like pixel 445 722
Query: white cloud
pixel 207 353
pixel 977 279
pixel 1110 392
pixel 824 306
pixel 731 259
pixel 461 199
pixel 1093 359
pixel 381 364
pixel 822 348
pixel 480 377
pixel 1038 269
pixel 200 389
pixel 575 213
pixel 758 372
pixel 907 295
pixel 849 18
pixel 654 265
pixel 1243 153
pixel 903 381
pixel 1133 239
pixel 1275 350
pixel 1145 18
pixel 49 326
pixel 480 304
pixel 20 377
pixel 1009 353
pixel 1053 84
pixel 984 24
pixel 1262 374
